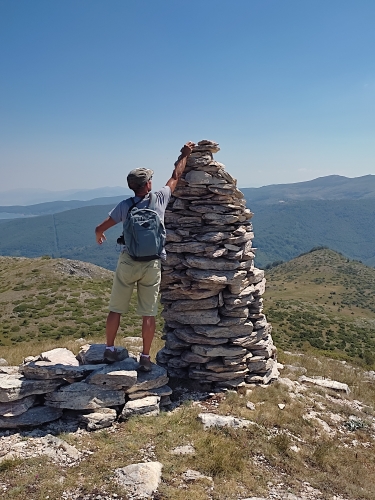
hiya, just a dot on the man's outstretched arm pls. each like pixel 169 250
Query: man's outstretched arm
pixel 99 230
pixel 180 164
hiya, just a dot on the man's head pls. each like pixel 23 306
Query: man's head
pixel 138 178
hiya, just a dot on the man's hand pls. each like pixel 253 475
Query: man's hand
pixel 100 237
pixel 99 230
pixel 187 149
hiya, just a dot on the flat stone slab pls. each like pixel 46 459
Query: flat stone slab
pixel 197 317
pixel 94 354
pixel 15 408
pixel 145 406
pixel 34 417
pixel 60 355
pixel 323 382
pixel 42 370
pixel 139 480
pixel 82 396
pixel 224 331
pixel 188 335
pixel 15 386
pixel 215 351
pixel 157 377
pixel 165 390
pixel 116 376
pixel 216 277
pixel 212 420
pixel 100 419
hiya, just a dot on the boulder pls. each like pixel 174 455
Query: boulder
pixel 145 406
pixel 139 481
pixel 99 419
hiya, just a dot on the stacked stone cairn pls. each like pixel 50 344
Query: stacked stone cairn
pixel 215 330
pixel 57 384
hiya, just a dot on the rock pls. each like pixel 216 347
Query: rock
pixel 193 305
pixel 34 417
pixel 219 277
pixel 116 376
pixel 82 396
pixel 3 362
pixel 139 480
pixel 15 408
pixel 157 377
pixel 145 406
pixel 100 419
pixel 212 420
pixel 214 351
pixel 199 317
pixel 10 370
pixel 161 392
pixel 15 386
pixel 92 354
pixel 216 264
pixel 183 450
pixel 194 475
pixel 322 382
pixel 60 355
pixel 250 405
pixel 191 357
pixel 281 406
pixel 224 332
pixel 55 445
pixel 211 376
pixel 43 370
pixel 190 337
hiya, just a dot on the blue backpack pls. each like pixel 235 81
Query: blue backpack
pixel 144 232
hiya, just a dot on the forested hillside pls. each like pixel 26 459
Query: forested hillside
pixel 282 232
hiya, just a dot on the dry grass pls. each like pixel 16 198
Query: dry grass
pixel 282 446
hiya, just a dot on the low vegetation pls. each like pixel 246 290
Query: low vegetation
pixel 320 437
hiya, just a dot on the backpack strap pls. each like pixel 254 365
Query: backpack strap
pixel 152 203
pixel 133 203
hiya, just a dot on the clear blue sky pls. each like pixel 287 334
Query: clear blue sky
pixel 90 89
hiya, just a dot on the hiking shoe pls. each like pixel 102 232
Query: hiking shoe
pixel 113 356
pixel 145 364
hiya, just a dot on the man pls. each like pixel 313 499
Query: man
pixel 146 275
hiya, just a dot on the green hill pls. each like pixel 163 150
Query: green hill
pixel 324 301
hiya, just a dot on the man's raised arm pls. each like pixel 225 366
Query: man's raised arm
pixel 180 164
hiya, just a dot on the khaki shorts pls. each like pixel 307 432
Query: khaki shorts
pixel 146 275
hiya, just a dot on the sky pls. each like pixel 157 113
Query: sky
pixel 90 89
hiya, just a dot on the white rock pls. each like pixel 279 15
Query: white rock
pixel 139 480
pixel 213 420
pixel 183 450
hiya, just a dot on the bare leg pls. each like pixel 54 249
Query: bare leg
pixel 113 322
pixel 148 332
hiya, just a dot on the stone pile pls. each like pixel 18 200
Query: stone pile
pixel 215 329
pixel 98 394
